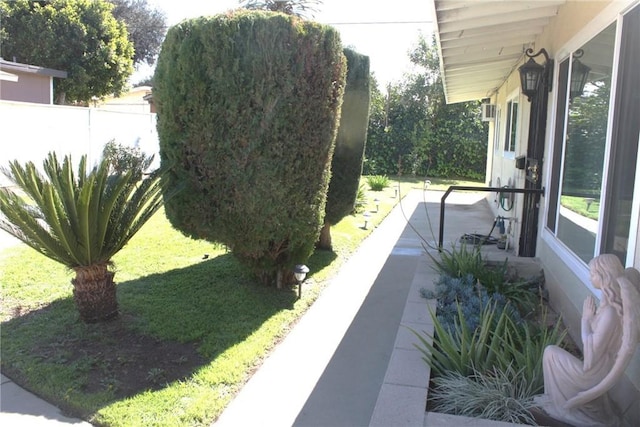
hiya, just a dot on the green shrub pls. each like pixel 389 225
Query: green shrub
pixel 459 261
pixel 463 349
pixel 378 182
pixel 499 395
pixel 346 165
pixel 361 200
pixel 123 159
pixel 248 107
pixel 466 260
pixel 496 343
pixel 466 294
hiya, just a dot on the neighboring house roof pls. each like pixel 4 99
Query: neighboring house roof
pixel 8 77
pixel 480 42
pixel 134 95
pixel 17 67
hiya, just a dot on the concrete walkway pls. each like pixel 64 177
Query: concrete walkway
pixel 350 360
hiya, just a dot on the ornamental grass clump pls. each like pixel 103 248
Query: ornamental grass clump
pixel 499 394
pixel 248 109
pixel 495 343
pixel 378 182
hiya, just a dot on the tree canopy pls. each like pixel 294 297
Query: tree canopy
pixel 301 8
pixel 412 130
pixel 81 37
pixel 146 27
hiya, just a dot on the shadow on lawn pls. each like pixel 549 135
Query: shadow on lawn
pixel 171 324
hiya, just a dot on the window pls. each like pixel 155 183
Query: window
pixel 596 146
pixel 511 126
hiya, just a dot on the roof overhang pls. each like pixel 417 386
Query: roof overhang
pixel 480 42
pixel 17 67
pixel 8 76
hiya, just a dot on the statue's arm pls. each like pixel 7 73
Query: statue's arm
pixel 630 339
pixel 597 341
pixel 588 314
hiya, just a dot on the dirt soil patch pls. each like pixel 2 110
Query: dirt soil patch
pixel 121 360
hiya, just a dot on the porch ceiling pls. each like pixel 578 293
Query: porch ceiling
pixel 481 41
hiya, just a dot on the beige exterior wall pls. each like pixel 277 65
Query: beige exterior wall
pixel 566 278
pixel 503 164
pixel 29 88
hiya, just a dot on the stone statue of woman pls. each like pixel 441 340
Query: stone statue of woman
pixel 575 390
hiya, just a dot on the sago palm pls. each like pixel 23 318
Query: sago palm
pixel 80 220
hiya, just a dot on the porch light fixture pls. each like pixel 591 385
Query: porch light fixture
pixel 579 75
pixel 532 73
pixel 300 273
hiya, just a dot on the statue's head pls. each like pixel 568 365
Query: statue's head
pixel 604 269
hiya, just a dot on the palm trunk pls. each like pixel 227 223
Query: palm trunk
pixel 94 293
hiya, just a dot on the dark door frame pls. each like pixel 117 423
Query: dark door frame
pixel 535 156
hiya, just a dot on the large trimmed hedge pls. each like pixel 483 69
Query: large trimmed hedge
pixel 346 166
pixel 248 106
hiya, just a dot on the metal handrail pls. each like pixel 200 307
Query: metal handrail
pixel 483 189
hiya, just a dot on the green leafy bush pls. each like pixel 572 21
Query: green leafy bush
pixel 122 159
pixel 248 108
pixel 465 294
pixel 496 343
pixel 466 260
pixel 361 200
pixel 460 261
pixel 499 395
pixel 346 165
pixel 378 182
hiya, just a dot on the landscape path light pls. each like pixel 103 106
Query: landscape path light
pixel 300 273
pixel 377 202
pixel 366 217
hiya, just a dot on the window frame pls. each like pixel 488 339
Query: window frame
pixel 613 14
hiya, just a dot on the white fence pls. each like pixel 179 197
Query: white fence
pixel 28 132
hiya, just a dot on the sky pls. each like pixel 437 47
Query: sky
pixel 387 45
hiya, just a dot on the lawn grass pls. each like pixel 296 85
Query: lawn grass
pixel 202 325
pixel 580 206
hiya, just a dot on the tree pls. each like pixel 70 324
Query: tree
pixel 413 130
pixel 80 37
pixel 300 8
pixel 80 221
pixel 248 108
pixel 346 165
pixel 455 142
pixel 146 27
pixel 378 159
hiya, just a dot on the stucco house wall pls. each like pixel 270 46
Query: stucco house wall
pixel 33 83
pixel 567 276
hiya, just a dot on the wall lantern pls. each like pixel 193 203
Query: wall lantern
pixel 300 273
pixel 579 75
pixel 532 73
